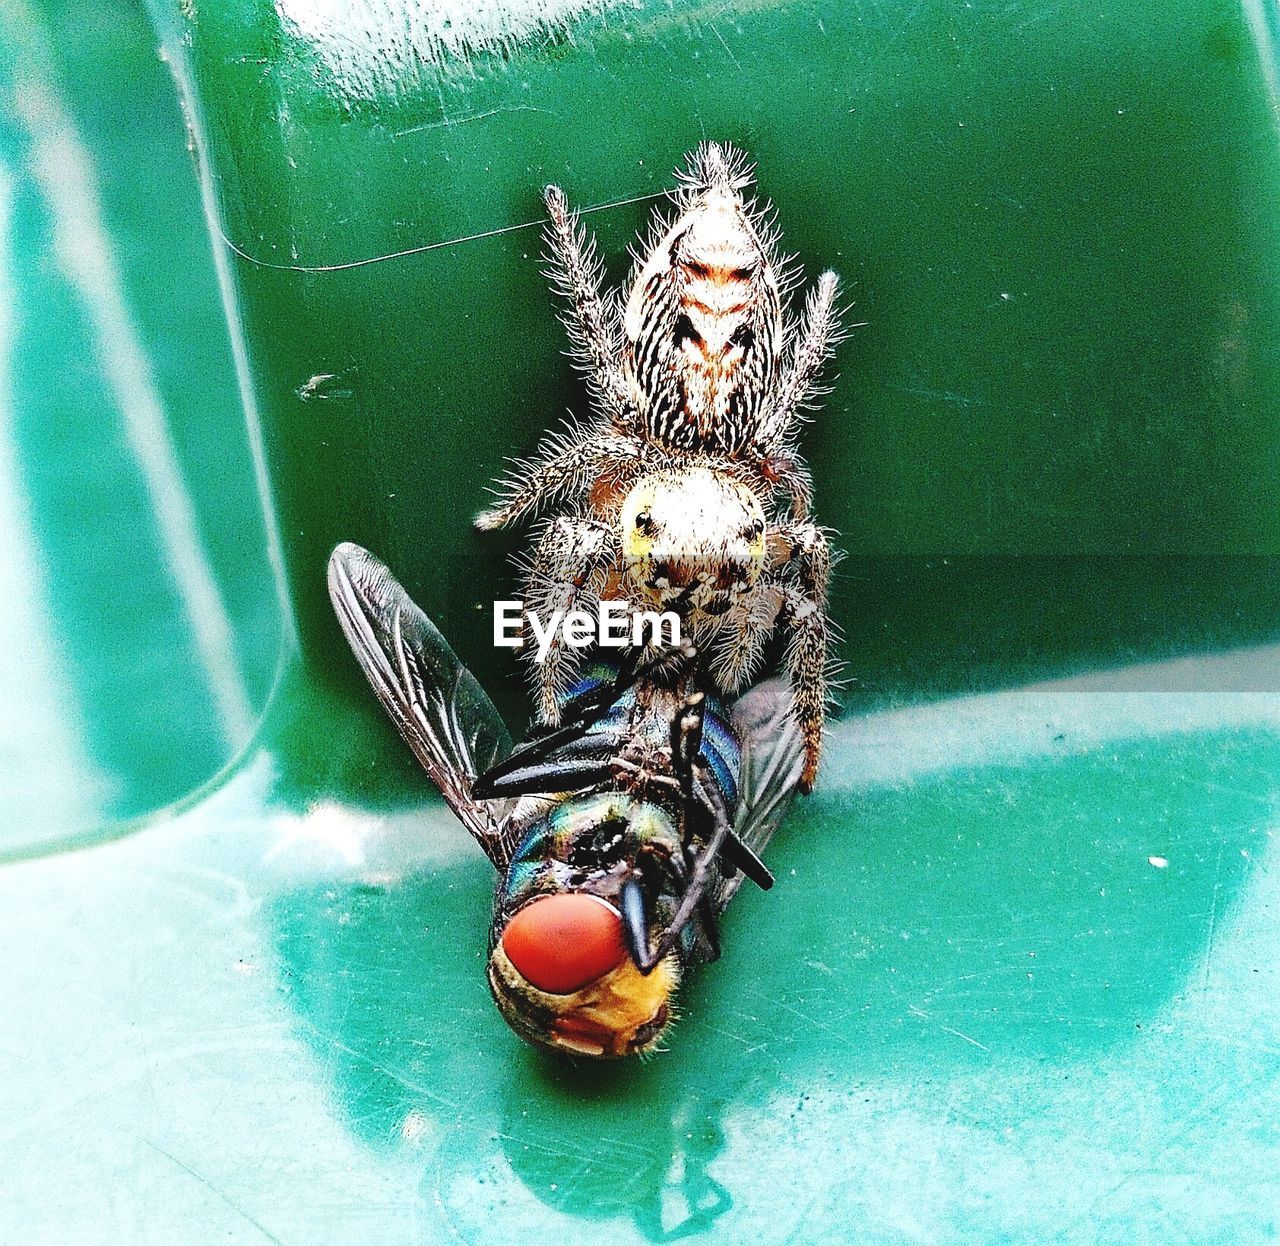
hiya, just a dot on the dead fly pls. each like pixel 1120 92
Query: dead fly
pixel 619 837
pixel 686 489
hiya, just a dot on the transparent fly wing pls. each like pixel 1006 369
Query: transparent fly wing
pixel 772 760
pixel 437 705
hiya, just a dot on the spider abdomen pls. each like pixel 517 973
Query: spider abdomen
pixel 703 326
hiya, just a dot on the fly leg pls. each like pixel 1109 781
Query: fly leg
pixel 696 812
pixel 578 715
pixel 576 273
pixel 533 768
pixel 703 803
pixel 686 757
pixel 704 819
pixel 561 760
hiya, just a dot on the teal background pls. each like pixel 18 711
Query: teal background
pixel 1017 981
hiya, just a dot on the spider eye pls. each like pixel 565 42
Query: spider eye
pixel 645 524
pixel 755 530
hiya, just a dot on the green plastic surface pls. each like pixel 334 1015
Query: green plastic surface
pixel 1018 980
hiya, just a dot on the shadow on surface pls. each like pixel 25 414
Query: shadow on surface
pixel 999 917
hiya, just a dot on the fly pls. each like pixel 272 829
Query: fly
pixel 619 837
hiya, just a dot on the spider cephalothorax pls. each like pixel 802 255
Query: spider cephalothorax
pixel 686 488
pixel 691 536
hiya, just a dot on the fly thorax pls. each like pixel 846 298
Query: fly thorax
pixel 585 844
pixel 693 539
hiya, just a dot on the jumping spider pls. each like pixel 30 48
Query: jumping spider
pixel 686 490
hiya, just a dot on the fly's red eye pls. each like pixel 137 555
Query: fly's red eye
pixel 560 943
